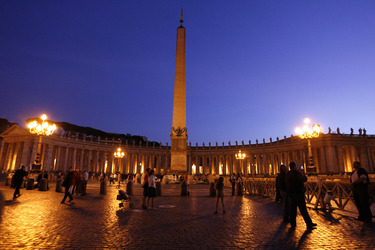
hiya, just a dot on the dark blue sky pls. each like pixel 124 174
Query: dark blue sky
pixel 254 68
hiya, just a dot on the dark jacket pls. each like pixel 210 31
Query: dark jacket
pixel 295 182
pixel 361 171
pixel 18 176
pixel 281 181
pixel 68 179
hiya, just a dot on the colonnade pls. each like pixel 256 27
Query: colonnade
pixel 331 153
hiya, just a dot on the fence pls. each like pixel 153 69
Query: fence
pixel 315 191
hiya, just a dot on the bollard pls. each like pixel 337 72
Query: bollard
pixel 239 189
pixel 8 181
pixel 58 186
pixel 43 184
pixel 129 188
pixel 184 189
pixel 30 184
pixel 212 189
pixel 12 183
pixel 158 188
pixel 103 187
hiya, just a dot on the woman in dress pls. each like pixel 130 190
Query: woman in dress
pixel 151 192
pixel 220 193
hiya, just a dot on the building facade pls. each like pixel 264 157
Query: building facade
pixel 332 153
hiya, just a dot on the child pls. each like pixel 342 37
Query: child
pixel 220 193
pixel 327 201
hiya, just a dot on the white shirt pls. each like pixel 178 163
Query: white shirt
pixel 151 181
pixel 85 176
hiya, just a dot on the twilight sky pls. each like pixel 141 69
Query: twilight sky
pixel 254 69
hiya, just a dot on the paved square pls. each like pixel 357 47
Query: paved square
pixel 38 220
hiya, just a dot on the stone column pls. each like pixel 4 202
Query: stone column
pixel 81 159
pixel 132 163
pixel 323 162
pixel 66 158
pixel 74 158
pixel 89 158
pixel 48 163
pixel 340 167
pixel 96 162
pixel 331 159
pixel 110 163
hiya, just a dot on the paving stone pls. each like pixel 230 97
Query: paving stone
pixel 38 220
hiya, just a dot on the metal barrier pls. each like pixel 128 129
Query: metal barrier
pixel 315 191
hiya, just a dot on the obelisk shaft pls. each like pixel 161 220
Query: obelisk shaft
pixel 179 132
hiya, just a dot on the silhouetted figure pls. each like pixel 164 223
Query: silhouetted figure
pixel 233 182
pixel 360 181
pixel 18 179
pixel 68 185
pixel 295 189
pixel 281 183
pixel 219 186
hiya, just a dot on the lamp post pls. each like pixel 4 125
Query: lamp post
pixel 41 129
pixel 240 156
pixel 309 133
pixel 118 155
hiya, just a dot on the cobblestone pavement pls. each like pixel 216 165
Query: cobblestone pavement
pixel 38 220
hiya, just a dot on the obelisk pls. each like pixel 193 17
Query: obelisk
pixel 179 134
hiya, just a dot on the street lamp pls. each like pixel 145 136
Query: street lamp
pixel 240 156
pixel 119 155
pixel 309 133
pixel 41 129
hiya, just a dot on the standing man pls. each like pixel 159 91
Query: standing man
pixel 68 184
pixel 18 179
pixel 85 179
pixel 295 189
pixel 360 181
pixel 145 188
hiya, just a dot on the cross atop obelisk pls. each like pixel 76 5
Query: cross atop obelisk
pixel 179 134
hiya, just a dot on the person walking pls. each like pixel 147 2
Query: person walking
pixel 68 184
pixel 219 186
pixel 18 179
pixel 281 185
pixel 360 180
pixel 295 189
pixel 145 188
pixel 151 191
pixel 233 182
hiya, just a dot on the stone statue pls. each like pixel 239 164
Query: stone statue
pixel 256 141
pixel 216 144
pixel 264 141
pixel 249 142
pixel 243 143
pixel 364 131
pixel 271 139
pixel 329 130
pixel 360 131
pixel 229 143
pixel 351 131
pixel 236 143
pixel 338 130
pixel 209 144
pixel 277 139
